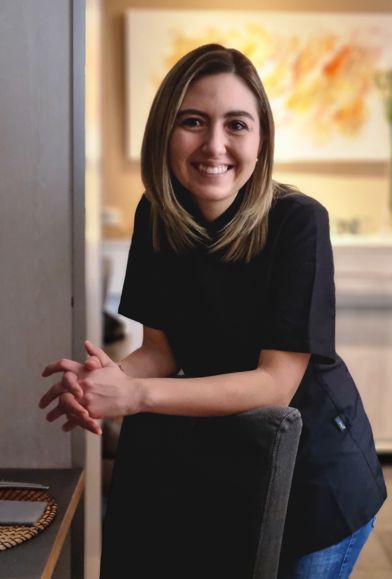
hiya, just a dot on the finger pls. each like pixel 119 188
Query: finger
pixel 67 405
pixel 92 363
pixel 62 365
pixel 55 413
pixel 73 407
pixel 86 423
pixel 72 385
pixel 60 411
pixel 69 383
pixel 104 359
pixel 77 414
pixel 94 427
pixel 77 417
pixel 66 385
pixel 69 425
pixel 51 394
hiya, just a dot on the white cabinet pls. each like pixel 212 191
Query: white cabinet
pixel 363 277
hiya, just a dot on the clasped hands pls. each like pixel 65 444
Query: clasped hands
pixel 96 389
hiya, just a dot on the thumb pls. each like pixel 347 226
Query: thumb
pixel 92 363
pixel 98 353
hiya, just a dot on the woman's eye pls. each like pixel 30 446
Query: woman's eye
pixel 191 122
pixel 237 126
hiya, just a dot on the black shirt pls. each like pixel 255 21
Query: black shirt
pixel 219 315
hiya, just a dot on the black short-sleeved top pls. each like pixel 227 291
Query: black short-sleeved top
pixel 218 316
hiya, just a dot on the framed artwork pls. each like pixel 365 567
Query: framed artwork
pixel 319 69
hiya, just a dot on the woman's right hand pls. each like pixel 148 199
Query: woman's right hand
pixel 68 391
pixel 75 413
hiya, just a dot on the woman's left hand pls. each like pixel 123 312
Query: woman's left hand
pixel 75 413
pixel 108 392
pixel 101 389
pixel 105 392
pixel 73 372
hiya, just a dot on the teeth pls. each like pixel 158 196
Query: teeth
pixel 218 170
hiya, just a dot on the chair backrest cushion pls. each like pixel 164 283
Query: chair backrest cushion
pixel 202 498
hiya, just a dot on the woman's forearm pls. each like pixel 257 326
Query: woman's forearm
pixel 148 362
pixel 272 384
pixel 154 358
pixel 209 396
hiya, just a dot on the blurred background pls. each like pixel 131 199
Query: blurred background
pixel 76 80
pixel 327 67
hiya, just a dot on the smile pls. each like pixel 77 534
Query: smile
pixel 212 170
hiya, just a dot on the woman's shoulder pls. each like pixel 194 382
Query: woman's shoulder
pixel 296 215
pixel 290 203
pixel 141 234
pixel 143 208
pixel 289 198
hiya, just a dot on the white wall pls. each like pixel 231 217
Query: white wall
pixel 36 222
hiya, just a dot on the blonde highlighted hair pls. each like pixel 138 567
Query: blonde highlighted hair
pixel 245 235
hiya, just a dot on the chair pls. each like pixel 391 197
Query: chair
pixel 208 495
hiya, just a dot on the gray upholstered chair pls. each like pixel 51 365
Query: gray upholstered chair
pixel 208 495
pixel 282 426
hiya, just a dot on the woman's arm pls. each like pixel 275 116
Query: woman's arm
pixel 108 392
pixel 273 382
pixel 154 358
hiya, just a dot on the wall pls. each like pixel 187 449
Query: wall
pixel 40 173
pixel 339 187
pixel 42 237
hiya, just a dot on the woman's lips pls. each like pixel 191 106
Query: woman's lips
pixel 205 169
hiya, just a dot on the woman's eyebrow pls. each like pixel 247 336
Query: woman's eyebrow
pixel 240 114
pixel 236 113
pixel 191 112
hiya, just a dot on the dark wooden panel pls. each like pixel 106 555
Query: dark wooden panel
pixel 37 558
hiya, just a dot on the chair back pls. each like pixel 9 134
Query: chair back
pixel 208 495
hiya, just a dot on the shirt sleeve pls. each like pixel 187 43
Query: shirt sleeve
pixel 301 292
pixel 140 298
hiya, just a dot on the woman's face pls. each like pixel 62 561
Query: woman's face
pixel 215 141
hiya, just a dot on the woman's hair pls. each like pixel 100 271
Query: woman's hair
pixel 244 236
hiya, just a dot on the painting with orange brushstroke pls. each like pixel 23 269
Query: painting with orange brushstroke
pixel 318 70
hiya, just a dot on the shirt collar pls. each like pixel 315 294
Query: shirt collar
pixel 212 227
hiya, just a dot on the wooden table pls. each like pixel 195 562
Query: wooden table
pixel 37 557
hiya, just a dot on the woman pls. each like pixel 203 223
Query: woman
pixel 231 275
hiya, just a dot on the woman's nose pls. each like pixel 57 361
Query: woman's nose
pixel 215 141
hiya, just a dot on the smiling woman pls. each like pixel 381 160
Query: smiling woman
pixel 215 141
pixel 231 275
pixel 241 92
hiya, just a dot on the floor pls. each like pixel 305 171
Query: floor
pixel 375 561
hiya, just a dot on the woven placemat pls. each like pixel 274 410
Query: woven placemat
pixel 12 535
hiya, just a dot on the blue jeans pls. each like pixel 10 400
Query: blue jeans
pixel 335 562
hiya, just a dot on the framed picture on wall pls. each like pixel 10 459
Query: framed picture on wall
pixel 319 69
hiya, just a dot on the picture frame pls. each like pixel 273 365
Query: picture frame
pixel 318 68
